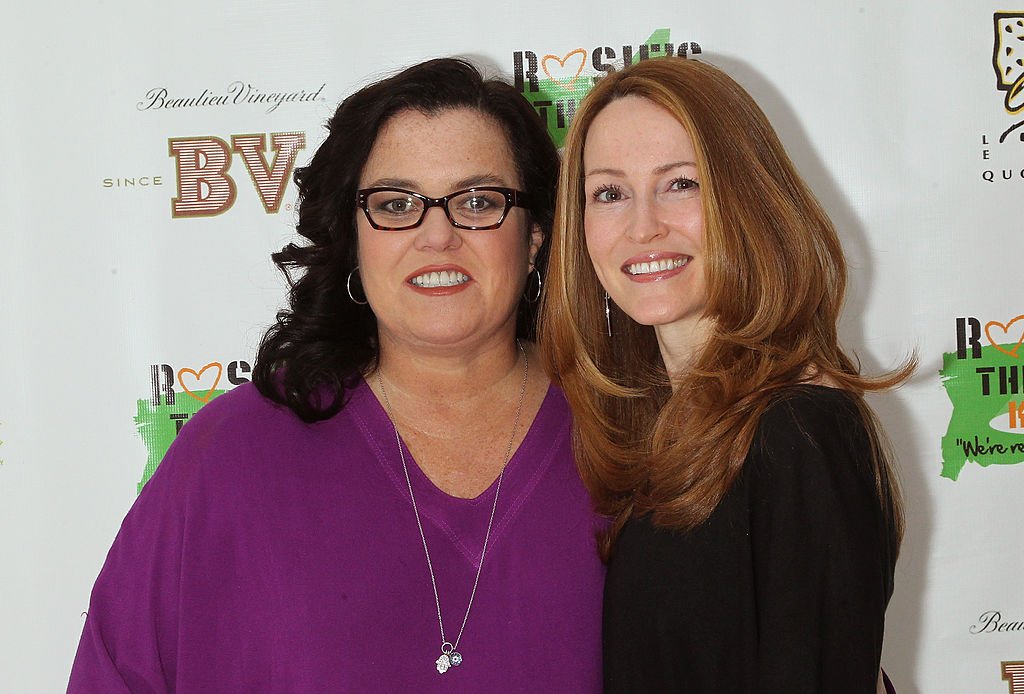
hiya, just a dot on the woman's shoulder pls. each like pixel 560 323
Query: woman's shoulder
pixel 812 433
pixel 241 423
pixel 243 434
pixel 809 412
pixel 239 410
pixel 245 408
pixel 220 429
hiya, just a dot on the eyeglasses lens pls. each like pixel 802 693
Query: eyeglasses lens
pixel 394 209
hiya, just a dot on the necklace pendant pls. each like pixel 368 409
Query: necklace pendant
pixel 456 658
pixel 444 662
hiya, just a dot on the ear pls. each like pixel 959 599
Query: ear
pixel 536 240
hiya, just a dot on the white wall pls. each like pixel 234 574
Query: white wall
pixel 890 110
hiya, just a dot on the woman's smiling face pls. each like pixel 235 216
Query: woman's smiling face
pixel 644 219
pixel 435 284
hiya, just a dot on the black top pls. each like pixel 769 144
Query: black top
pixel 782 590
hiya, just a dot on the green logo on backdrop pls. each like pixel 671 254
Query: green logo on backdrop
pixel 175 397
pixel 555 82
pixel 985 384
pixel 158 425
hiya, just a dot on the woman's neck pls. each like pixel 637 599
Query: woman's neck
pixel 680 343
pixel 462 372
pixel 460 413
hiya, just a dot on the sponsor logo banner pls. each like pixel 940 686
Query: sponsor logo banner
pixel 984 379
pixel 555 82
pixel 1013 673
pixel 176 395
pixel 206 189
pixel 237 93
pixel 1001 152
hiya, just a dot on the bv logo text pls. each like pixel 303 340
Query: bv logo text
pixel 204 186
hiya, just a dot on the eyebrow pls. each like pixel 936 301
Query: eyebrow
pixel 472 181
pixel 663 169
pixel 391 183
pixel 480 180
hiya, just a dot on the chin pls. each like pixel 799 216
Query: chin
pixel 443 334
pixel 648 315
pixel 443 338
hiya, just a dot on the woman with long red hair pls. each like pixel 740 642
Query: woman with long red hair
pixel 690 316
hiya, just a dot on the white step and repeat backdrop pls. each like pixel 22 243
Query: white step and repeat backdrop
pixel 148 152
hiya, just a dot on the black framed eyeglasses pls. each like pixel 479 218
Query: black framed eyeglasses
pixel 479 209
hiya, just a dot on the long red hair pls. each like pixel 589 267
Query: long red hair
pixel 775 277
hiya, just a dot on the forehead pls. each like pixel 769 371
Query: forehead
pixel 434 152
pixel 635 132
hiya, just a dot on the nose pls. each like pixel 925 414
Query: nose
pixel 645 224
pixel 436 232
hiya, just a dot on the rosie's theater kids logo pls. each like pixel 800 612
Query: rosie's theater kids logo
pixel 175 395
pixel 984 379
pixel 555 82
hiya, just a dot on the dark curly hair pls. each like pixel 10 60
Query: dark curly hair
pixel 320 346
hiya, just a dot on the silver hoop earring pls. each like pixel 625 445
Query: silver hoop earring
pixel 348 288
pixel 540 283
pixel 607 314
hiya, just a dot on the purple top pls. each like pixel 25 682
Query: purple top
pixel 267 554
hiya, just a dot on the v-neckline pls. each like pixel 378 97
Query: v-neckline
pixel 436 506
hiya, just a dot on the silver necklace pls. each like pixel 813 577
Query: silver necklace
pixel 450 655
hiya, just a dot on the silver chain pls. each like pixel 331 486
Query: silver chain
pixel 494 505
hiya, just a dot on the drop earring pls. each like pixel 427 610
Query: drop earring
pixel 607 314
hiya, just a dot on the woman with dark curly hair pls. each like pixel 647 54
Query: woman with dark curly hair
pixel 392 505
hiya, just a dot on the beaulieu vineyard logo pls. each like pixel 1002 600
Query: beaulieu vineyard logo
pixel 205 188
pixel 237 93
pixel 205 185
